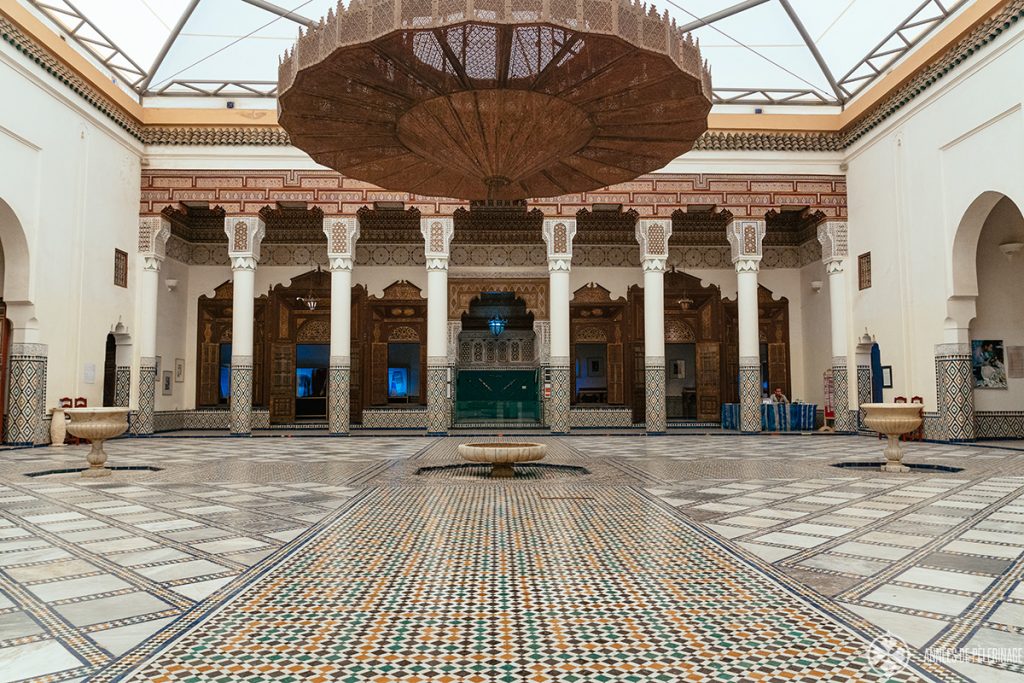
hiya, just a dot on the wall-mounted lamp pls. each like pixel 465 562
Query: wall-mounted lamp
pixel 816 286
pixel 171 283
pixel 1011 249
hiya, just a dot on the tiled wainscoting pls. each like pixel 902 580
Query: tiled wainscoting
pixel 395 418
pixel 998 424
pixel 173 420
pixel 600 417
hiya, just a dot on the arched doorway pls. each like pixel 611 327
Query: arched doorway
pixel 979 370
pixel 497 369
pixel 109 370
pixel 22 384
pixel 997 329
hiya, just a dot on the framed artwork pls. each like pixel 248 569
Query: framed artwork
pixel 159 364
pixel 887 377
pixel 678 370
pixel 179 370
pixel 988 363
pixel 168 383
pixel 596 368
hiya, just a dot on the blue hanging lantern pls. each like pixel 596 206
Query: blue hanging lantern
pixel 497 325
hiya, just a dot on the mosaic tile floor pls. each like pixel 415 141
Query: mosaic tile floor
pixel 645 559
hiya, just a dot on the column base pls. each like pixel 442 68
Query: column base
pixel 557 416
pixel 338 400
pixel 654 389
pixel 955 383
pixel 143 418
pixel 750 397
pixel 241 398
pixel 438 403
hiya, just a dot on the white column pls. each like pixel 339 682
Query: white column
pixel 342 234
pixel 653 236
pixel 558 234
pixel 437 234
pixel 745 237
pixel 153 234
pixel 245 233
pixel 832 236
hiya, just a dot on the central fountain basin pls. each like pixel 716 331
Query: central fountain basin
pixel 894 420
pixel 97 425
pixel 502 456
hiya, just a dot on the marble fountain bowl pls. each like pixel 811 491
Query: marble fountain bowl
pixel 97 425
pixel 502 456
pixel 894 420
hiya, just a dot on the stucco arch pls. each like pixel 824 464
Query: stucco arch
pixel 16 274
pixel 962 283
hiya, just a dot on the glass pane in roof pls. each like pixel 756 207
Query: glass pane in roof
pixel 138 27
pixel 757 48
pixel 229 40
pixel 846 31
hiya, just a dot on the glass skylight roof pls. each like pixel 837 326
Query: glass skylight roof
pixel 756 49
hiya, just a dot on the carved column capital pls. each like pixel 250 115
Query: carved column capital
pixel 437 234
pixel 745 236
pixel 832 237
pixel 152 263
pixel 342 233
pixel 835 266
pixel 558 234
pixel 340 263
pixel 653 235
pixel 654 265
pixel 747 265
pixel 243 263
pixel 245 235
pixel 154 232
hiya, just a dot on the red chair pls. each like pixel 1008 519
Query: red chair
pixel 84 403
pixel 66 402
pixel 917 434
pixel 898 399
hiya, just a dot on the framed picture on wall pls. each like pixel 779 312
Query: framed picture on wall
pixel 596 367
pixel 168 383
pixel 179 369
pixel 988 363
pixel 887 377
pixel 159 363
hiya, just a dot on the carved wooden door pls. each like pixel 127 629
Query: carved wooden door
pixel 379 373
pixel 282 383
pixel 639 384
pixel 778 367
pixel 709 375
pixel 615 379
pixel 355 405
pixel 209 373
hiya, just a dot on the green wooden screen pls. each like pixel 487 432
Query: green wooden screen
pixel 500 395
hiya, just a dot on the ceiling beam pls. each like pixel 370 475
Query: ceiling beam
pixel 171 37
pixel 281 12
pixel 721 14
pixel 814 50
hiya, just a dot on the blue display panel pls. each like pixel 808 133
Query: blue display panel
pixel 398 382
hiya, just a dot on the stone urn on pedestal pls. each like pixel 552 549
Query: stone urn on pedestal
pixel 97 425
pixel 501 456
pixel 894 420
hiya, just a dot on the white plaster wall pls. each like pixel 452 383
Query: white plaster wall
pixel 910 184
pixel 814 332
pixel 1000 300
pixel 72 180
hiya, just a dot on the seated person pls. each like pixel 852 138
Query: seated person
pixel 779 397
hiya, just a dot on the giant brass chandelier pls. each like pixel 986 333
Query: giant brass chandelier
pixel 494 99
